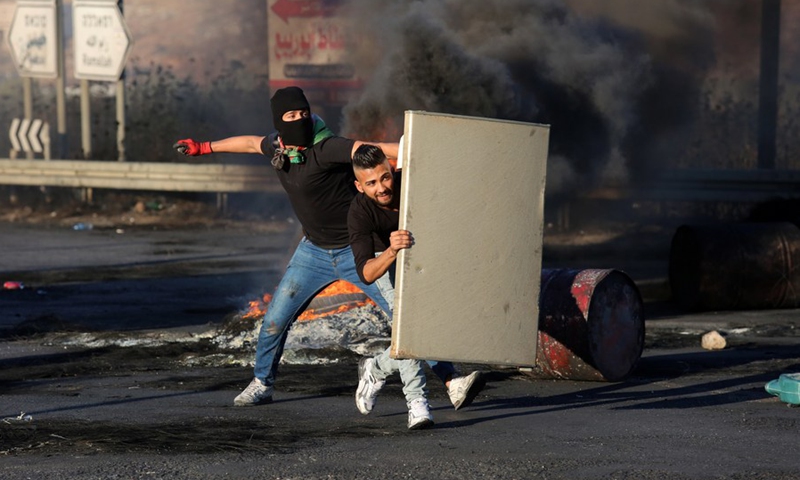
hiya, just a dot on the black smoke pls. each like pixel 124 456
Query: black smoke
pixel 613 102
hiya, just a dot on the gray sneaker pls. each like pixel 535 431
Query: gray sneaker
pixel 368 386
pixel 419 414
pixel 255 394
pixel 463 390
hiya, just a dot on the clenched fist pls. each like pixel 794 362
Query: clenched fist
pixel 191 148
pixel 400 239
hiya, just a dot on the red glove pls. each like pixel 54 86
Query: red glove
pixel 191 148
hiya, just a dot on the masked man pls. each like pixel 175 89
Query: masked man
pixel 314 167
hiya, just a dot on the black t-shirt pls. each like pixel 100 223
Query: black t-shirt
pixel 370 227
pixel 320 189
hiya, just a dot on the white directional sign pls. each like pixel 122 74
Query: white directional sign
pixel 28 135
pixel 102 40
pixel 33 38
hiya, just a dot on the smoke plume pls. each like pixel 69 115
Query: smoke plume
pixel 591 78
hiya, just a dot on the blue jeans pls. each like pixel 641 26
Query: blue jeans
pixel 310 270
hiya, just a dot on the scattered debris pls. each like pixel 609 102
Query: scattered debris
pixel 713 341
pixel 364 330
pixel 22 417
pixel 82 226
pixel 786 387
pixel 127 339
pixel 739 331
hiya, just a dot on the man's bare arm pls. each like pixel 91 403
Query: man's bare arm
pixel 376 267
pixel 239 144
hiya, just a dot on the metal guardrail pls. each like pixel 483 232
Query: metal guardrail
pixel 174 177
pixel 671 185
pixel 707 185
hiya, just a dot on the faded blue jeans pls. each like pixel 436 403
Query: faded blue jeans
pixel 310 270
pixel 411 372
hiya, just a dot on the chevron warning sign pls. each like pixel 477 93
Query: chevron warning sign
pixel 28 135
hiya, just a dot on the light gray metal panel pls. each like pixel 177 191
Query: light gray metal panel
pixel 473 198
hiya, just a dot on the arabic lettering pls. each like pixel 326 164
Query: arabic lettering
pixel 304 45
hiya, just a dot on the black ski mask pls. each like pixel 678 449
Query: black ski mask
pixel 299 133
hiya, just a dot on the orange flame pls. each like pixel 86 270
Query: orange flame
pixel 257 308
pixel 339 287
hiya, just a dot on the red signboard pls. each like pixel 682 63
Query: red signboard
pixel 308 44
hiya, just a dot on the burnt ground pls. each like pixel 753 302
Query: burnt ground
pixel 159 406
pixel 203 435
pixel 140 412
pixel 75 373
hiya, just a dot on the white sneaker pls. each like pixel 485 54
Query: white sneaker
pixel 419 414
pixel 368 386
pixel 463 390
pixel 255 394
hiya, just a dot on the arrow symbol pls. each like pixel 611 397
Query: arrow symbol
pixel 45 137
pixel 304 8
pixel 12 134
pixel 23 133
pixel 33 135
pixel 29 136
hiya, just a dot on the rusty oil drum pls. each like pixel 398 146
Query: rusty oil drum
pixel 591 325
pixel 736 267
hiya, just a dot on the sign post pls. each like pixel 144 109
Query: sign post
pixel 102 40
pixel 61 101
pixel 29 137
pixel 102 44
pixel 34 38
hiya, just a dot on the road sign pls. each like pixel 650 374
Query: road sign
pixel 308 42
pixel 33 38
pixel 101 38
pixel 28 135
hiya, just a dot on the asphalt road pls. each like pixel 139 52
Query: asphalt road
pixel 148 411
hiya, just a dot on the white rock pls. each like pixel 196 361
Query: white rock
pixel 713 341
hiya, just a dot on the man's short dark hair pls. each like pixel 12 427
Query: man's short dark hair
pixel 368 156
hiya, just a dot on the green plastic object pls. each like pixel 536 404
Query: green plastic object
pixel 786 387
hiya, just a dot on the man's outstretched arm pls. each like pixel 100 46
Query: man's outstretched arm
pixel 238 144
